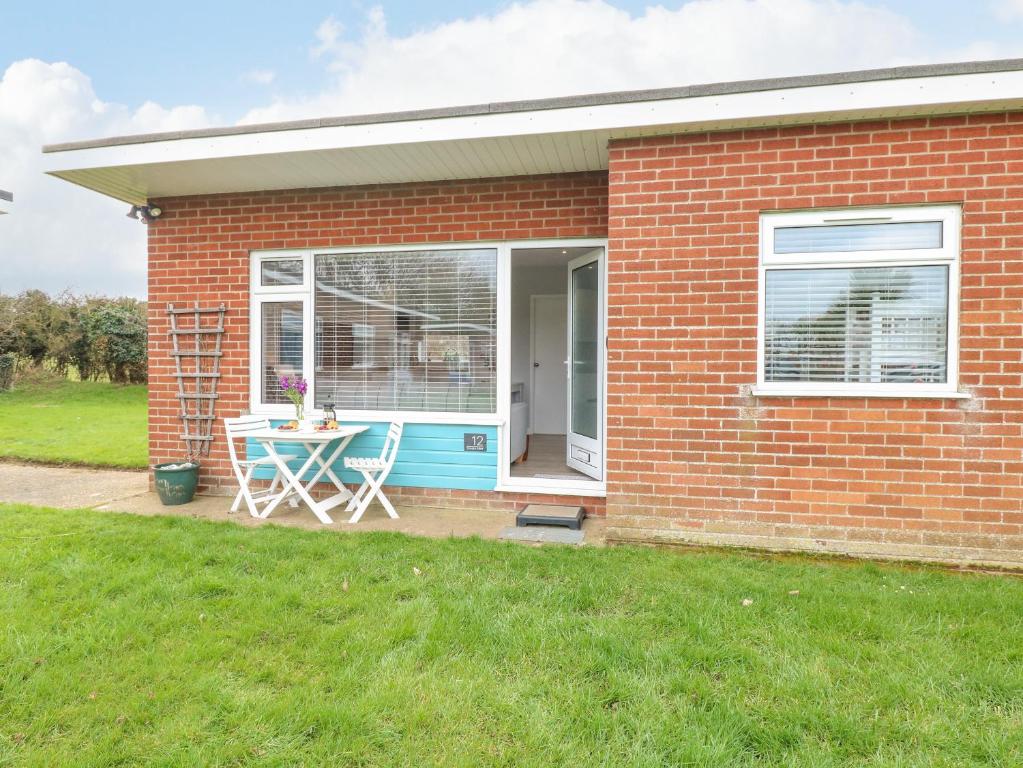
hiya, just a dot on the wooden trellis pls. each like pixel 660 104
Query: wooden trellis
pixel 197 370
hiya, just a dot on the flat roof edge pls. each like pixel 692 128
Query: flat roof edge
pixel 564 102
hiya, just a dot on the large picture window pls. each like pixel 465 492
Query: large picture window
pixel 408 330
pixel 402 330
pixel 859 302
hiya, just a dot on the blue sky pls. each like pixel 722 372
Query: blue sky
pixel 78 70
pixel 191 52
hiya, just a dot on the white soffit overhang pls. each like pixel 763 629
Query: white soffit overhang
pixel 511 139
pixel 6 198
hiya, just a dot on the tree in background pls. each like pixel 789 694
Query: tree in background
pixel 35 321
pixel 116 338
pixel 92 336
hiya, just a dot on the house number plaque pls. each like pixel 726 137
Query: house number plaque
pixel 476 442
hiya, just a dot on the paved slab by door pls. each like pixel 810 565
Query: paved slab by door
pixel 543 534
pixel 121 491
pixel 67 487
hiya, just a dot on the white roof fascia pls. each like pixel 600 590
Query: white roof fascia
pixel 991 91
pixel 116 165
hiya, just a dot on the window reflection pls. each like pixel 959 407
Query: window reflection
pixel 410 330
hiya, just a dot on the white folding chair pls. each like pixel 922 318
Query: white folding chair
pixel 237 429
pixel 375 470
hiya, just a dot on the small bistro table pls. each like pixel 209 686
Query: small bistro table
pixel 317 444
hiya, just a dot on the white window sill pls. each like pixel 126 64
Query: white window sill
pixel 900 392
pixel 409 417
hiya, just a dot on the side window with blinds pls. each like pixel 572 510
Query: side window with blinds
pixel 282 346
pixel 407 330
pixel 864 306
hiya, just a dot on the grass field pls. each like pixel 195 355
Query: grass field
pixel 74 422
pixel 172 641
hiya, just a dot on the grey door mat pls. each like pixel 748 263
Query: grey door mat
pixel 542 534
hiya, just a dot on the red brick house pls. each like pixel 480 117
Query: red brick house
pixel 783 314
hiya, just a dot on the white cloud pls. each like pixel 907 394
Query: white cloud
pixel 328 35
pixel 1008 9
pixel 60 236
pixel 555 47
pixel 260 76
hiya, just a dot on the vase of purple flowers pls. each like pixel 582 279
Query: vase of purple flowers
pixel 294 388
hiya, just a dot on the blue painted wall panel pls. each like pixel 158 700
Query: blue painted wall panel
pixel 429 456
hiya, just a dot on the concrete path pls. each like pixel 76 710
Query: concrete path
pixel 120 491
pixel 68 487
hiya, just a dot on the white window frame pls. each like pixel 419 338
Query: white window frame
pixel 257 276
pixel 947 255
pixel 273 294
pixel 260 294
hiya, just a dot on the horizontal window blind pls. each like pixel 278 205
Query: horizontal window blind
pixel 870 324
pixel 904 235
pixel 282 347
pixel 407 330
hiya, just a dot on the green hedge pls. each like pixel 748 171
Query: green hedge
pixel 96 337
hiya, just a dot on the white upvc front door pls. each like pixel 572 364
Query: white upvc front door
pixel 585 443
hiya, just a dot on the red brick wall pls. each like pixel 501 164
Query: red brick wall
pixel 694 457
pixel 199 251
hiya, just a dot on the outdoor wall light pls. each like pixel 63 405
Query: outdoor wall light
pixel 145 213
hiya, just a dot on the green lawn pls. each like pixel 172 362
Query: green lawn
pixel 75 422
pixel 173 641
